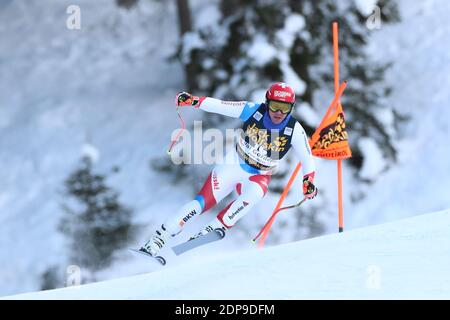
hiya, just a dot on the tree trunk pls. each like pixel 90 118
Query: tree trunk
pixel 185 25
pixel 229 7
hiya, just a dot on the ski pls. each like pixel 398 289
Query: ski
pixel 215 235
pixel 160 259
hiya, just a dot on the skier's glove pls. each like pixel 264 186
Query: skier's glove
pixel 185 99
pixel 309 189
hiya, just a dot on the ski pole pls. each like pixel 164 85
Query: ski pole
pixel 274 214
pixel 183 127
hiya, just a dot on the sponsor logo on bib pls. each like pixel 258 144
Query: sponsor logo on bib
pixel 257 115
pixel 288 131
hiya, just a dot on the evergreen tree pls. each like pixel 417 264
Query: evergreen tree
pixel 127 4
pixel 257 42
pixel 254 43
pixel 51 278
pixel 95 221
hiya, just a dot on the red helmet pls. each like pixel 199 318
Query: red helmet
pixel 280 91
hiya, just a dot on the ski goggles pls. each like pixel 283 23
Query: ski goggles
pixel 284 107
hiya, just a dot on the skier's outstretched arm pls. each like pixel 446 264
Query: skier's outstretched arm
pixel 234 109
pixel 303 151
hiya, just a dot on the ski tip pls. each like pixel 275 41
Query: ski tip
pixel 161 260
pixel 220 232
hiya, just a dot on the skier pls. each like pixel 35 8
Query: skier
pixel 269 131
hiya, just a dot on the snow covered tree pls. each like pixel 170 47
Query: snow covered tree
pixel 96 223
pixel 243 46
pixel 126 3
pixel 51 278
pixel 184 21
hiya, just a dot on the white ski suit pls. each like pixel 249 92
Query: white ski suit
pixel 257 154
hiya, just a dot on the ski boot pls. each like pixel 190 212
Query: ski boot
pixel 214 225
pixel 157 242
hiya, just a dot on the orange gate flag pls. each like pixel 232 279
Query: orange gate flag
pixel 330 140
pixel 326 120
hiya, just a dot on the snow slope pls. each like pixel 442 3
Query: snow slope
pixel 106 81
pixel 405 259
